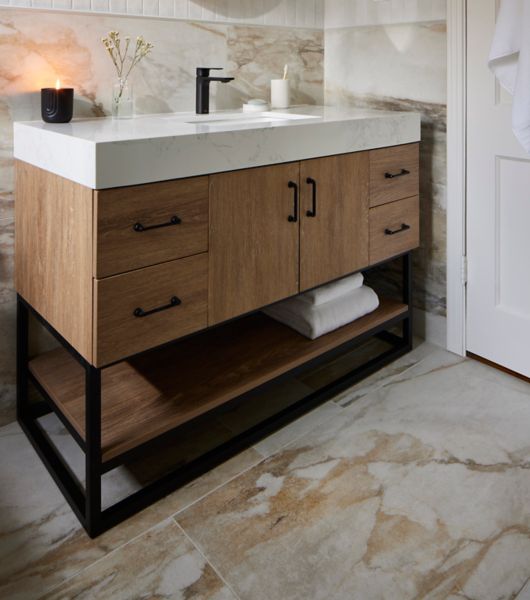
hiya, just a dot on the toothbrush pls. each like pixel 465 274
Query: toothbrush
pixel 285 71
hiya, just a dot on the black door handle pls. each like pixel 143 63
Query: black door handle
pixel 404 227
pixel 138 227
pixel 294 218
pixel 140 312
pixel 312 213
pixel 400 174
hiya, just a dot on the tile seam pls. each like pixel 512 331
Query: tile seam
pixel 208 561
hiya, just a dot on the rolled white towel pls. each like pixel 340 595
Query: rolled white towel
pixel 315 321
pixel 331 291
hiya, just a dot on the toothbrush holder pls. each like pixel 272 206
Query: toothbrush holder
pixel 280 93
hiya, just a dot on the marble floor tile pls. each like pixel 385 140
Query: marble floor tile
pixel 296 429
pixel 41 541
pixel 420 493
pixel 396 369
pixel 161 563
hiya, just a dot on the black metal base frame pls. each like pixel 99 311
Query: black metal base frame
pixel 85 500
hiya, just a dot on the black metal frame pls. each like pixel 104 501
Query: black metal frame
pixel 86 501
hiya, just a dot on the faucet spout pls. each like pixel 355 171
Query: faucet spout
pixel 202 85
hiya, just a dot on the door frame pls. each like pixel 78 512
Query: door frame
pixel 456 174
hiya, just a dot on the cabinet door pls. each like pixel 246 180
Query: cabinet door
pixel 254 245
pixel 334 217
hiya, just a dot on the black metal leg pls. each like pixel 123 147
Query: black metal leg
pixel 93 450
pixel 22 359
pixel 407 298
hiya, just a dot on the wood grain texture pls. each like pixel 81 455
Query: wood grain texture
pixel 335 242
pixel 149 395
pixel 53 252
pixel 118 333
pixel 393 160
pixel 119 248
pixel 254 249
pixel 392 216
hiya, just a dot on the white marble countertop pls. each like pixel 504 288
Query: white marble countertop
pixel 104 153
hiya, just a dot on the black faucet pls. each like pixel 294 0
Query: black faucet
pixel 202 97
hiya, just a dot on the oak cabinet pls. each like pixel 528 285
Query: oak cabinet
pixel 224 245
pixel 276 231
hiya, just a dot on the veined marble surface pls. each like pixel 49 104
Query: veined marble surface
pixel 37 47
pixel 106 153
pixel 411 485
pixel 403 67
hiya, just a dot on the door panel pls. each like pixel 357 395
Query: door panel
pixel 498 205
pixel 334 242
pixel 254 247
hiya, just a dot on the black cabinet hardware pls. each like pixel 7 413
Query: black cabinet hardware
pixel 138 227
pixel 400 174
pixel 294 218
pixel 140 312
pixel 404 227
pixel 313 212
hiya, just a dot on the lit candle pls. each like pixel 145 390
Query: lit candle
pixel 57 104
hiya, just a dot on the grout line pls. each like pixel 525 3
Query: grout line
pixel 522 589
pixel 208 561
pixel 107 554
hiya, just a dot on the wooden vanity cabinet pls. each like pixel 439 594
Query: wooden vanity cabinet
pixel 173 267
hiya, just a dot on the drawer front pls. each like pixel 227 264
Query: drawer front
pixel 394 229
pixel 394 174
pixel 137 311
pixel 149 224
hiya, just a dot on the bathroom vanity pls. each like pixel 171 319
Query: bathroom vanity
pixel 147 248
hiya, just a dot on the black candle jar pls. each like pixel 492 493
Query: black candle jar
pixel 57 104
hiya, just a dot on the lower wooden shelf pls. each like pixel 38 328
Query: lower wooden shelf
pixel 149 395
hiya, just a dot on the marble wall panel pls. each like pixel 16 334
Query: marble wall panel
pixel 34 52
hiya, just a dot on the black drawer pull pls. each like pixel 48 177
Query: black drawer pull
pixel 400 174
pixel 404 227
pixel 294 218
pixel 138 227
pixel 140 312
pixel 313 212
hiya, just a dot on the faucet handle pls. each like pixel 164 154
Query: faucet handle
pixel 205 71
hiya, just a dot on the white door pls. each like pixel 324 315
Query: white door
pixel 498 210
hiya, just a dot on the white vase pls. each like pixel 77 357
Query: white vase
pixel 122 100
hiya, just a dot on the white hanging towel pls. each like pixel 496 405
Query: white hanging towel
pixel 510 62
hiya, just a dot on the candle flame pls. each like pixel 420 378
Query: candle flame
pixel 58 84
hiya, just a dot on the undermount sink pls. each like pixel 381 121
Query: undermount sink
pixel 224 119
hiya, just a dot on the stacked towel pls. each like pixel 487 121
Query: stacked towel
pixel 313 320
pixel 332 291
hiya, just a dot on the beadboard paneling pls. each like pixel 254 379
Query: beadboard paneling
pixel 277 13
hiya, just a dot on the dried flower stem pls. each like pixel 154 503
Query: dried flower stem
pixel 120 55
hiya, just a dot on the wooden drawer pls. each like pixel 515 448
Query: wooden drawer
pixel 394 229
pixel 149 224
pixel 120 330
pixel 394 174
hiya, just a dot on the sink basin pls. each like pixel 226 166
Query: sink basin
pixel 235 119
